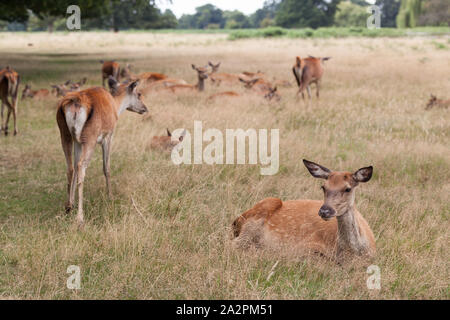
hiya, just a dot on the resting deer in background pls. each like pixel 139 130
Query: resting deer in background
pixel 223 94
pixel 333 227
pixel 262 87
pixel 200 86
pixel 165 143
pixel 218 78
pixel 307 71
pixel 434 101
pixel 34 94
pixel 86 118
pixel 110 68
pixel 9 87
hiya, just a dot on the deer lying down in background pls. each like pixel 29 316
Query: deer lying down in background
pixel 435 102
pixel 223 94
pixel 218 78
pixel 9 87
pixel 307 71
pixel 333 227
pixel 86 118
pixel 165 143
pixel 199 86
pixel 34 94
pixel 60 90
pixel 262 87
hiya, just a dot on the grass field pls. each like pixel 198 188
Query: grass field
pixel 166 232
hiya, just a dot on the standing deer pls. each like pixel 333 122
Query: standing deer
pixel 200 86
pixel 9 87
pixel 34 94
pixel 333 227
pixel 307 71
pixel 434 101
pixel 86 118
pixel 110 68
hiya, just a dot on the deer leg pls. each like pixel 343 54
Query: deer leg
pixel 14 112
pixel 106 148
pixel 7 119
pixel 317 89
pixel 73 183
pixel 67 148
pixel 1 123
pixel 308 89
pixel 86 153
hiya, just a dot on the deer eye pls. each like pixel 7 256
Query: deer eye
pixel 348 190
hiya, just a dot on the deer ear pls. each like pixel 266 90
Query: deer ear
pixel 193 67
pixel 209 62
pixel 275 89
pixel 298 61
pixel 168 132
pixel 363 174
pixel 316 170
pixel 133 86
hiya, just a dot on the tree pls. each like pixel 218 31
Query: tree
pixel 266 14
pixel 306 13
pixel 236 20
pixel 207 15
pixel 389 10
pixel 435 13
pixel 350 15
pixel 408 13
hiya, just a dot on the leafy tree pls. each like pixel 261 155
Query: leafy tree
pixel 306 13
pixel 349 14
pixel 408 13
pixel 389 11
pixel 208 14
pixel 435 13
pixel 266 14
pixel 236 20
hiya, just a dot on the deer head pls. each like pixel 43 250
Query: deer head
pixel 27 92
pixel 338 189
pixel 431 102
pixel 133 99
pixel 272 94
pixel 214 67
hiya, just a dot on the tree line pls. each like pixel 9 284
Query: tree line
pixel 144 14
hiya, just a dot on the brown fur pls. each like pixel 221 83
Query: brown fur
pixel 224 94
pixel 307 71
pixel 110 68
pixel 35 94
pixel 201 76
pixel 9 88
pixel 435 102
pixel 164 143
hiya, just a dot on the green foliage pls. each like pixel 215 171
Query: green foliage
pixel 389 11
pixel 350 15
pixel 435 13
pixel 305 13
pixel 408 13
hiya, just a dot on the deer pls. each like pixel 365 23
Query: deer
pixel 34 94
pixel 333 228
pixel 262 87
pixel 307 71
pixel 9 87
pixel 223 94
pixel 434 101
pixel 110 68
pixel 218 78
pixel 166 143
pixel 84 119
pixel 199 86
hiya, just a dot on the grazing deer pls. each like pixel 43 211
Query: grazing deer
pixel 223 94
pixel 333 227
pixel 262 87
pixel 110 68
pixel 86 118
pixel 200 86
pixel 9 87
pixel 34 94
pixel 165 143
pixel 434 101
pixel 307 71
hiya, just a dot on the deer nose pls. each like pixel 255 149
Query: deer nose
pixel 326 212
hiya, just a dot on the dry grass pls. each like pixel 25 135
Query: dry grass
pixel 174 242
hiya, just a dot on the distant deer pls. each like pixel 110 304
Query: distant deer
pixel 333 227
pixel 262 87
pixel 86 118
pixel 110 68
pixel 9 87
pixel 218 78
pixel 435 102
pixel 223 94
pixel 200 86
pixel 34 94
pixel 165 143
pixel 307 71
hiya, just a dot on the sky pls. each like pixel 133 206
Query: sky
pixel 180 7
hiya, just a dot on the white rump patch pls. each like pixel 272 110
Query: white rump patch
pixel 75 122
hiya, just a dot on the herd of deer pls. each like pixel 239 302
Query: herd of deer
pixel 88 117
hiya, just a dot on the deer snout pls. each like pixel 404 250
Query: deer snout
pixel 326 212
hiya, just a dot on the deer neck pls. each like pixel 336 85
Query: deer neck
pixel 200 84
pixel 350 239
pixel 121 100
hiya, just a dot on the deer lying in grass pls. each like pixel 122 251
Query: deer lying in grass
pixel 60 90
pixel 307 71
pixel 34 94
pixel 262 87
pixel 333 227
pixel 110 68
pixel 435 102
pixel 218 78
pixel 199 86
pixel 223 94
pixel 86 118
pixel 9 87
pixel 165 143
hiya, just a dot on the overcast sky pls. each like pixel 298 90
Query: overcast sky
pixel 180 7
